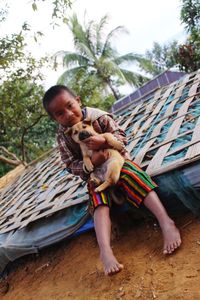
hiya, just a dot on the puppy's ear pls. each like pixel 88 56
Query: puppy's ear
pixel 68 131
pixel 87 121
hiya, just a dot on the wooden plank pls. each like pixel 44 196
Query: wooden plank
pixel 126 123
pixel 145 126
pixel 173 166
pixel 194 150
pixel 157 160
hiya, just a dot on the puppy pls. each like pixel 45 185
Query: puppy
pixel 108 173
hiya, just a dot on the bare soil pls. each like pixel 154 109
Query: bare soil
pixel 72 269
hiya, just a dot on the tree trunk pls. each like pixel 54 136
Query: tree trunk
pixel 25 130
pixel 12 159
pixel 22 144
pixel 112 89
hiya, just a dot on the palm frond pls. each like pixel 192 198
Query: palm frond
pixel 150 67
pixel 145 64
pixel 71 74
pixel 82 36
pixel 89 34
pixel 128 58
pixel 72 58
pixel 110 35
pixel 134 78
pixel 85 51
pixel 99 33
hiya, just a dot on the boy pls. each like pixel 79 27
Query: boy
pixel 65 108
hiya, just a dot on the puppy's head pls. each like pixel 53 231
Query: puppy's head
pixel 81 131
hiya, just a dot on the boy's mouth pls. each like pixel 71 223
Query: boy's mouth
pixel 72 121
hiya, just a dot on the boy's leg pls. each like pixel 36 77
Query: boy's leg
pixel 100 208
pixel 102 225
pixel 139 189
pixel 171 235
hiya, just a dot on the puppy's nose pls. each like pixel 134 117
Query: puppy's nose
pixel 84 135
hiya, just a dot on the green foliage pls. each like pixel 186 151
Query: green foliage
pixel 21 103
pixel 59 9
pixel 25 131
pixel 161 58
pixel 189 53
pixel 184 56
pixel 3 10
pixel 11 49
pixel 190 14
pixel 40 138
pixel 4 168
pixel 90 91
pixel 96 60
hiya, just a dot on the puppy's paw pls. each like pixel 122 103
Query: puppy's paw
pixel 89 166
pixel 118 145
pixel 97 190
pixel 95 180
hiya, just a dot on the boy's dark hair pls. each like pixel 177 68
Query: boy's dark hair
pixel 52 92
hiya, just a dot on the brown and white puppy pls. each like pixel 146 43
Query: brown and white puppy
pixel 108 173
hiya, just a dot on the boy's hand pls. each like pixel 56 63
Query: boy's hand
pixel 99 157
pixel 96 142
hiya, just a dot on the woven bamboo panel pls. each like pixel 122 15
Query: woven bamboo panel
pixel 163 131
pixel 39 192
pixel 163 134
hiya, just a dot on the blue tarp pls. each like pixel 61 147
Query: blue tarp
pixel 43 232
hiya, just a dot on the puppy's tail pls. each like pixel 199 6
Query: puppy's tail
pixel 117 194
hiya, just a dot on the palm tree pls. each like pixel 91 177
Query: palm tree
pixel 95 56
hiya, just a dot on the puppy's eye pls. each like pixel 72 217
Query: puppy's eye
pixel 84 126
pixel 75 131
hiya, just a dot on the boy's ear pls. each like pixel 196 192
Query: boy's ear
pixel 78 99
pixel 68 131
pixel 87 121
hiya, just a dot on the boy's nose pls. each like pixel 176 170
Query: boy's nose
pixel 68 113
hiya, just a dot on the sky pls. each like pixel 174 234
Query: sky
pixel 147 21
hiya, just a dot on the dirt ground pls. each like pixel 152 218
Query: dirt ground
pixel 72 269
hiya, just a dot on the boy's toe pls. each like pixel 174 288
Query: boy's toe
pixel 165 251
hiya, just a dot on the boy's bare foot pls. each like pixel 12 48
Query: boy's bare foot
pixel 171 235
pixel 111 265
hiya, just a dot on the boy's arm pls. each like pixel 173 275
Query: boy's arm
pixel 73 165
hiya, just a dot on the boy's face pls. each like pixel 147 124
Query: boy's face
pixel 66 109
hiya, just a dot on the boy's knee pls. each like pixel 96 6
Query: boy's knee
pixel 102 209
